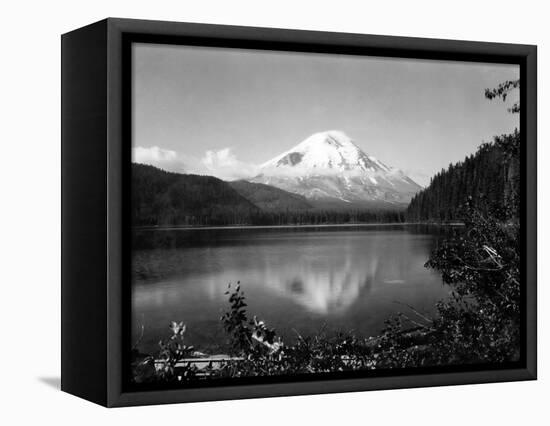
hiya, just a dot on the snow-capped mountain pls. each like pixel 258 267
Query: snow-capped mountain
pixel 330 166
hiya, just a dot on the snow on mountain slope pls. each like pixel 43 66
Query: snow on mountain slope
pixel 330 166
pixel 328 152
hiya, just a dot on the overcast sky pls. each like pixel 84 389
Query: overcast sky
pixel 224 111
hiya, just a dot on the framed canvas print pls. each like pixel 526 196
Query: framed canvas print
pixel 252 212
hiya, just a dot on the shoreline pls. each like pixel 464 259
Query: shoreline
pixel 326 225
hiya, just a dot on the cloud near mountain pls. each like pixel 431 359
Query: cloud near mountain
pixel 224 164
pixel 165 159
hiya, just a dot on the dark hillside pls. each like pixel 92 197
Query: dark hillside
pixel 489 177
pixel 164 198
pixel 161 198
pixel 269 198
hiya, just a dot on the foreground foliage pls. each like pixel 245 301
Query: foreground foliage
pixel 480 322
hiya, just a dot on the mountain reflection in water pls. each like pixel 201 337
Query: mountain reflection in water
pixel 322 286
pixel 304 280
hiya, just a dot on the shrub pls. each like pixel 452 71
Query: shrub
pixel 167 366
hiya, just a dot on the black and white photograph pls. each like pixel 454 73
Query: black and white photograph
pixel 300 214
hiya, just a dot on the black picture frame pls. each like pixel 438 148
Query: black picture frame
pixel 96 135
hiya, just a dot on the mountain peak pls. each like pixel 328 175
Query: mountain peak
pixel 329 137
pixel 331 151
pixel 329 165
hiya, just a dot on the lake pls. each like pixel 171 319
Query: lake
pixel 298 280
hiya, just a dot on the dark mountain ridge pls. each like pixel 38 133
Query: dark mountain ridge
pixel 488 180
pixel 269 198
pixel 161 198
pixel 165 198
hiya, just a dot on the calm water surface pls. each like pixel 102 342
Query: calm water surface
pixel 296 279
